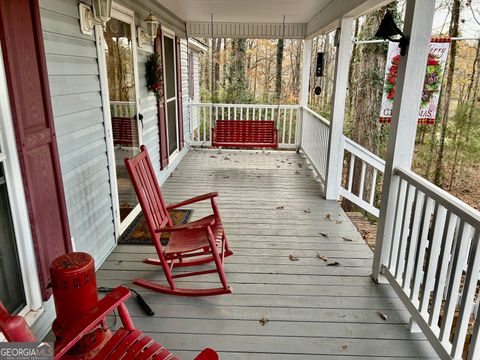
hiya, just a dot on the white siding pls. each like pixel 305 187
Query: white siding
pixel 78 117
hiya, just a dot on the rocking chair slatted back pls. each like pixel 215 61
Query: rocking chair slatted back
pixel 148 191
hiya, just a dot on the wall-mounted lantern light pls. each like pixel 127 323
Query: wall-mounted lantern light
pixel 388 29
pixel 152 25
pixel 102 10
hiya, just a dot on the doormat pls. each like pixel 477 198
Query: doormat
pixel 138 234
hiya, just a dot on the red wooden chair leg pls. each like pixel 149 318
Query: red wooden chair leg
pixel 218 260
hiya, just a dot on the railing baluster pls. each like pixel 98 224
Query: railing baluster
pixel 350 174
pixel 469 288
pixel 362 180
pixel 419 209
pixel 399 217
pixel 474 349
pixel 435 245
pixel 228 112
pixel 426 218
pixel 241 112
pixel 283 124
pixel 440 282
pixel 373 187
pixel 458 260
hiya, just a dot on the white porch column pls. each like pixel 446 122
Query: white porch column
pixel 335 141
pixel 401 137
pixel 307 55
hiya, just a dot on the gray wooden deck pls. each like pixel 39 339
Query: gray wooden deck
pixel 272 207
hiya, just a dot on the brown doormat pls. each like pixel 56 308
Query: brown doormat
pixel 138 234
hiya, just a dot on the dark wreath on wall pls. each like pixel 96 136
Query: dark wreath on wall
pixel 154 75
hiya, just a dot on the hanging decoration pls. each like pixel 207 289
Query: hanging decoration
pixel 437 58
pixel 154 75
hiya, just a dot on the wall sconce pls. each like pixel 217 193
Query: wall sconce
pixel 388 29
pixel 152 25
pixel 102 10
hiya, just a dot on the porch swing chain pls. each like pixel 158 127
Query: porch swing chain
pixel 281 78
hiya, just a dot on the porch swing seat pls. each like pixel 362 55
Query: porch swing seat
pixel 196 243
pixel 245 134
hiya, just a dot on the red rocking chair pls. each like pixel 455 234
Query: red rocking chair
pixel 196 243
pixel 127 343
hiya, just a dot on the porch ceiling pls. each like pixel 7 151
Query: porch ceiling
pixel 304 17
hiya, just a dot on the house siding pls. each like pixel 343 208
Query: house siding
pixel 79 125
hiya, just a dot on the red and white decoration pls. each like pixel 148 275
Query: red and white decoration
pixel 437 58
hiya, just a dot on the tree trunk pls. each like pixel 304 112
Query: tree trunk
pixel 453 32
pixel 279 67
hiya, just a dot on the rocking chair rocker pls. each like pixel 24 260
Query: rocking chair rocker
pixel 196 243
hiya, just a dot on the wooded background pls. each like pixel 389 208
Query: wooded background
pixel 269 71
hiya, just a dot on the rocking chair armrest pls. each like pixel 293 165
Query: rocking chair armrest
pixel 185 227
pixel 192 200
pixel 85 324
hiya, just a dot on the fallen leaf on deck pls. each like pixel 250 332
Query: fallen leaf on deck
pixel 300 165
pixel 329 217
pixel 226 158
pixel 335 263
pixel 278 166
pixel 293 257
pixel 259 176
pixel 324 234
pixel 321 257
pixel 307 211
pixel 338 221
pixel 344 347
pixel 226 177
pixel 382 315
pixel 347 239
pixel 297 172
pixel 213 156
pixel 263 321
pixel 280 207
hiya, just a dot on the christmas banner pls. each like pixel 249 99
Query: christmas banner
pixel 437 58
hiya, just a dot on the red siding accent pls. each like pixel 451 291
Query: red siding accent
pixel 162 121
pixel 178 57
pixel 25 66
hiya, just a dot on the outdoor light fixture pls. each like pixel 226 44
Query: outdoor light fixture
pixel 102 10
pixel 388 29
pixel 152 25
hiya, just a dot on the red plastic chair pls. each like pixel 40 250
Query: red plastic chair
pixel 191 244
pixel 127 343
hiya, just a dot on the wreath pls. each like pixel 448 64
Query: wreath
pixel 433 78
pixel 154 75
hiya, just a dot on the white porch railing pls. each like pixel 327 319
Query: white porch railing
pixel 203 115
pixel 122 109
pixel 314 141
pixel 372 167
pixel 434 263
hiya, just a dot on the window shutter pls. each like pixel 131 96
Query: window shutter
pixel 25 66
pixel 162 121
pixel 178 57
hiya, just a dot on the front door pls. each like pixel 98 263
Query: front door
pixel 125 120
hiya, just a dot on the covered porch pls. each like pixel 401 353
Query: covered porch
pixel 289 300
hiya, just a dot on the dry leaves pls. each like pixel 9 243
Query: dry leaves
pixel 297 172
pixel 307 211
pixel 382 315
pixel 335 263
pixel 329 217
pixel 280 207
pixel 263 321
pixel 344 347
pixel 213 156
pixel 293 257
pixel 323 234
pixel 347 239
pixel 321 257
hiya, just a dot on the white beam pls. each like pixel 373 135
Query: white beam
pixel 401 138
pixel 246 30
pixel 326 19
pixel 335 141
pixel 307 57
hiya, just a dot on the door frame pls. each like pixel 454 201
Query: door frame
pixel 18 206
pixel 126 15
pixel 166 32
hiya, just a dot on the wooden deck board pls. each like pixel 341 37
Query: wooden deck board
pixel 272 207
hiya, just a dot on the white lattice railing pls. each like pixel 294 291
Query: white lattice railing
pixel 122 109
pixel 314 141
pixel 362 191
pixel 433 264
pixel 203 115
